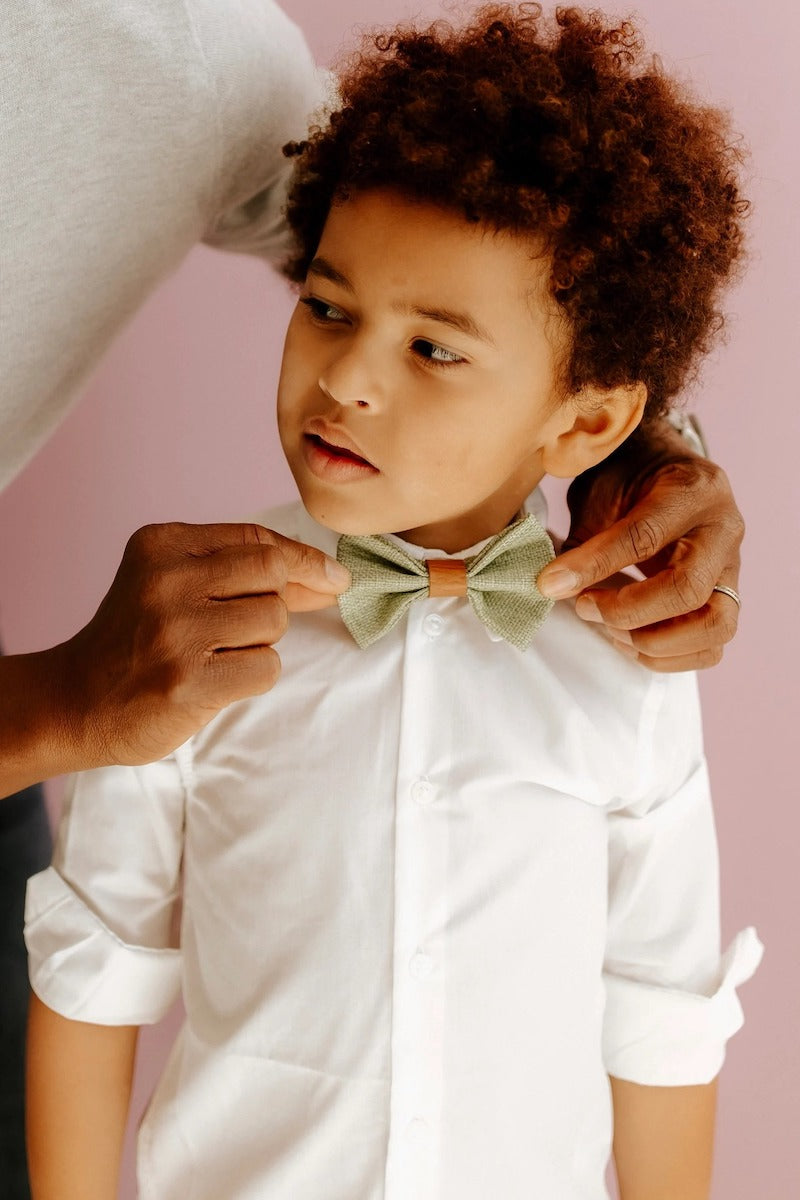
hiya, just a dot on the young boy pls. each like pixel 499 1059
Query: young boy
pixel 464 870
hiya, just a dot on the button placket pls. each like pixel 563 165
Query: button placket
pixel 421 857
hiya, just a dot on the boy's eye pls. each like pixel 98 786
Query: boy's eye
pixel 435 354
pixel 322 311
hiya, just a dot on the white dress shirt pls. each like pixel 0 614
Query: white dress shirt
pixel 433 893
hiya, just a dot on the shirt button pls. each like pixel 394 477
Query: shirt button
pixel 433 625
pixel 423 791
pixel 417 1131
pixel 421 966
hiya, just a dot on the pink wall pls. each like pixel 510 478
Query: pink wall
pixel 178 424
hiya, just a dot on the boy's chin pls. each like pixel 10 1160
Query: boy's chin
pixel 355 524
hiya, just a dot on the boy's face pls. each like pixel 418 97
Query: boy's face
pixel 418 388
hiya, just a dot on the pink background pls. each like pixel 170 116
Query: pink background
pixel 178 424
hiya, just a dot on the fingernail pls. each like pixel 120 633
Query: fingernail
pixel 587 609
pixel 337 574
pixel 620 635
pixel 558 583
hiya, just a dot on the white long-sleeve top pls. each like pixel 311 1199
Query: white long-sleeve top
pixel 128 132
pixel 434 892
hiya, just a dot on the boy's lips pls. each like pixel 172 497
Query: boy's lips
pixel 334 439
pixel 331 454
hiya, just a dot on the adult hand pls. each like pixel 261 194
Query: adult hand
pixel 187 627
pixel 656 505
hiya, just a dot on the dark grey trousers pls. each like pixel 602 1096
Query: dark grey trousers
pixel 25 848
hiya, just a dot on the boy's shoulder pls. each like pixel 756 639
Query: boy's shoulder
pixel 631 725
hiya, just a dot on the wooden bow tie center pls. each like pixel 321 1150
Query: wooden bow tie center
pixel 446 576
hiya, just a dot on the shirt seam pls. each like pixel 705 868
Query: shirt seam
pixel 652 706
pixel 72 899
pixel 232 1052
pixel 212 90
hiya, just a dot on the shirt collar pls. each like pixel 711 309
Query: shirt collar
pixel 326 539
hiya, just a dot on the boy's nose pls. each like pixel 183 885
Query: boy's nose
pixel 349 382
pixel 326 391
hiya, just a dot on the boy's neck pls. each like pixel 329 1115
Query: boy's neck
pixel 461 533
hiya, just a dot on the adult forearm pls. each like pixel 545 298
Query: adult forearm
pixel 663 1140
pixel 38 732
pixel 78 1092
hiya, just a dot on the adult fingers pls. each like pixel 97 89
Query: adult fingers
pixel 302 599
pixel 310 567
pixel 698 661
pixel 160 657
pixel 709 628
pixel 664 596
pixel 695 564
pixel 245 558
pixel 182 538
pixel 690 499
pixel 237 674
pixel 633 539
pixel 257 569
pixel 244 621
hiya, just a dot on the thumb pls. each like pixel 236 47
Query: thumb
pixel 585 564
pixel 639 536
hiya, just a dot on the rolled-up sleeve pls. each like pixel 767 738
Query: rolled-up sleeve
pixel 671 1002
pixel 101 921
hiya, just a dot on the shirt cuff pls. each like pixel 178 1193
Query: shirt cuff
pixel 668 1038
pixel 83 971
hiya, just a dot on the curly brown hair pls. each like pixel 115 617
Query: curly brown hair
pixel 561 129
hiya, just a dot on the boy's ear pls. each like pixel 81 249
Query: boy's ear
pixel 602 418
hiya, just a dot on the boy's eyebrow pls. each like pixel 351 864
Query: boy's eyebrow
pixel 461 321
pixel 321 266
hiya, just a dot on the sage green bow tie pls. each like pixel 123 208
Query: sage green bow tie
pixel 499 582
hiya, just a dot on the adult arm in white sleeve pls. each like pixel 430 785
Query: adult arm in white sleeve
pixel 128 133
